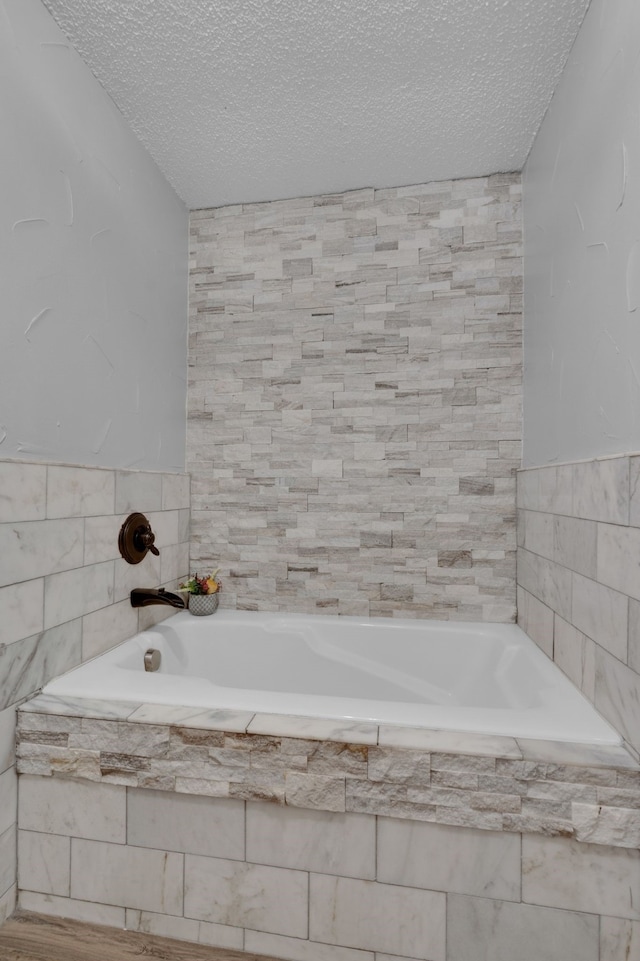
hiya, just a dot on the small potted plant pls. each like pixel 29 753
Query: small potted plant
pixel 202 593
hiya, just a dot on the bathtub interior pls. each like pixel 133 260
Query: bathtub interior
pixel 367 661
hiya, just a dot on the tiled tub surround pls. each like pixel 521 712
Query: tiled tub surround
pixel 64 589
pixel 354 400
pixel 579 578
pixel 379 842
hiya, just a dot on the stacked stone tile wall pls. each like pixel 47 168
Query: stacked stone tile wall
pixel 64 589
pixel 579 581
pixel 354 400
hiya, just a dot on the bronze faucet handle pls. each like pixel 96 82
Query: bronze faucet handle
pixel 146 537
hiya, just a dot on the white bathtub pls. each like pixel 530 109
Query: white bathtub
pixel 488 678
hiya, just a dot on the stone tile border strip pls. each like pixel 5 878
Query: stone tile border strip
pixel 586 792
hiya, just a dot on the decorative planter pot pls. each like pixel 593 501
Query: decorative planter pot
pixel 200 604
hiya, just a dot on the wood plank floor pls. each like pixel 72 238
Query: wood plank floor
pixel 34 937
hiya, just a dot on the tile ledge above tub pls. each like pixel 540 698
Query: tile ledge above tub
pixel 339 731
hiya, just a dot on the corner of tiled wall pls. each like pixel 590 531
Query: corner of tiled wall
pixel 579 578
pixel 64 589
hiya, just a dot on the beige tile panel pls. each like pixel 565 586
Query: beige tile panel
pixel 480 929
pixel 115 874
pixel 79 491
pixel 32 549
pixel 175 822
pixel 74 808
pixel 377 917
pixel 44 863
pixel 444 858
pixel 319 841
pixel 23 489
pixel 581 877
pixel 274 900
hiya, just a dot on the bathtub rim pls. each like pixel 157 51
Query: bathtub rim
pixel 610 736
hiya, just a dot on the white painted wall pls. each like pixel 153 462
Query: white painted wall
pixel 93 266
pixel 582 250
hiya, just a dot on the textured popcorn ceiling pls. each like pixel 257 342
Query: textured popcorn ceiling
pixel 249 100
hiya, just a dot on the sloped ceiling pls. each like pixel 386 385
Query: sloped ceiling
pixel 250 100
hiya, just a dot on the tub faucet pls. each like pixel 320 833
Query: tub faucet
pixel 142 596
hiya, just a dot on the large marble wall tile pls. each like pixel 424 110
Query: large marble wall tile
pixel 527 490
pixel 8 719
pixel 26 665
pixel 167 926
pixel 619 939
pixel 9 802
pixel 633 649
pixel 35 548
pixel 79 491
pixel 547 581
pixel 536 620
pixel 184 525
pixel 555 489
pixel 294 949
pixel 176 491
pixel 128 576
pixel 601 490
pixel 319 841
pixel 126 876
pixel 138 491
pixel 443 858
pixel 44 863
pixel 195 825
pixel 72 594
pixel 8 860
pixel 23 490
pixel 101 538
pixel 103 629
pixel 174 564
pixel 479 929
pixel 86 911
pixel 8 903
pixel 618 553
pixel 634 485
pixel 567 874
pixel 75 808
pixel 575 654
pixel 574 544
pixel 267 899
pixel 601 614
pixel 21 610
pixel 154 614
pixel 165 526
pixel 377 917
pixel 537 533
pixel 618 696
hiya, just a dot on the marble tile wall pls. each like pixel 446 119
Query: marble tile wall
pixel 309 885
pixel 354 400
pixel 64 589
pixel 579 578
